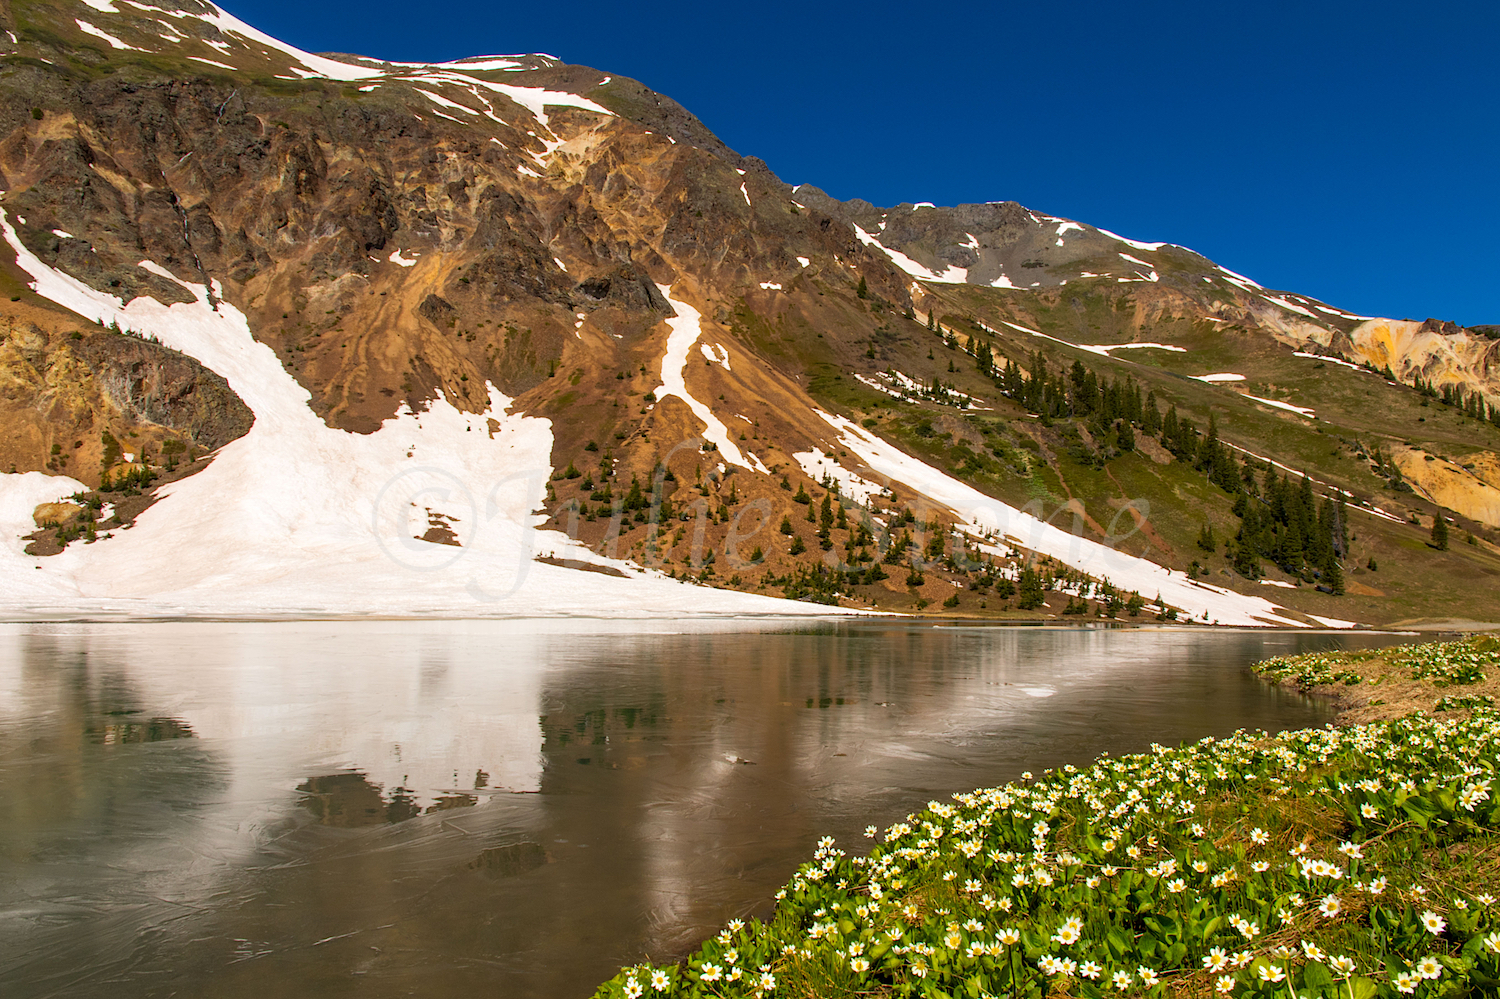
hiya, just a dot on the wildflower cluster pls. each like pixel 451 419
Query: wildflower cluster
pixel 1312 669
pixel 1445 663
pixel 1456 663
pixel 1451 703
pixel 1316 863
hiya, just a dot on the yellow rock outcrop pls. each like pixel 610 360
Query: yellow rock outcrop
pixel 1473 492
pixel 55 513
pixel 1412 349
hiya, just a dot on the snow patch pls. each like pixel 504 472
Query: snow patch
pixel 211 62
pixel 1340 312
pixel 475 63
pixel 1299 410
pixel 1239 280
pixel 114 42
pixel 686 327
pixel 878 386
pixel 815 464
pixel 397 258
pixel 1332 360
pixel 950 275
pixel 1102 349
pixel 229 24
pixel 769 286
pixel 804 261
pixel 537 99
pixel 1223 376
pixel 1291 306
pixel 20 495
pixel 1131 242
pixel 717 353
pixel 1107 347
pixel 444 102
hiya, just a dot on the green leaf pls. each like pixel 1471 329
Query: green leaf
pixel 1420 809
pixel 1363 988
pixel 1118 942
pixel 1316 976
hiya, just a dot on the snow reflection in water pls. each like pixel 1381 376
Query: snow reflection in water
pixel 385 808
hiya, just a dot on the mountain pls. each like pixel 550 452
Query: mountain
pixel 324 334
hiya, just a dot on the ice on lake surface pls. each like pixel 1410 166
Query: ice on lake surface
pixel 511 807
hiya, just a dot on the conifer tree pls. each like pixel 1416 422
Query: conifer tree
pixel 1031 590
pixel 1333 574
pixel 1440 532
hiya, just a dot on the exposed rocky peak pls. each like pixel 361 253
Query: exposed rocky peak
pixel 1441 327
pixel 662 115
pixel 524 194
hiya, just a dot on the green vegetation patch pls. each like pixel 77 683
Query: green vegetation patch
pixel 1444 663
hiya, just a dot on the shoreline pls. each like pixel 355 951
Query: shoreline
pixel 1375 685
pixel 1353 859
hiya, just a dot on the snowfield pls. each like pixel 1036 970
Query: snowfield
pixel 297 518
pixel 686 328
pixel 984 516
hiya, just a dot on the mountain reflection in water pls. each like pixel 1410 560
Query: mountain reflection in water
pixel 513 808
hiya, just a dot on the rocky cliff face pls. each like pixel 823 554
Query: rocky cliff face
pixel 1441 353
pixel 417 235
pixel 77 400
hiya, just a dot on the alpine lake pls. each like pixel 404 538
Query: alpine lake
pixel 517 808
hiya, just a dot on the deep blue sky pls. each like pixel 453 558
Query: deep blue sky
pixel 1348 151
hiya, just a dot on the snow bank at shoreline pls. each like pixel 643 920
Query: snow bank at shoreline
pixel 298 518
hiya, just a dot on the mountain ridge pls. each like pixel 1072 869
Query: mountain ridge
pixel 448 243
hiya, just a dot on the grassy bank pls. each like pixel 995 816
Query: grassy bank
pixel 1355 861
